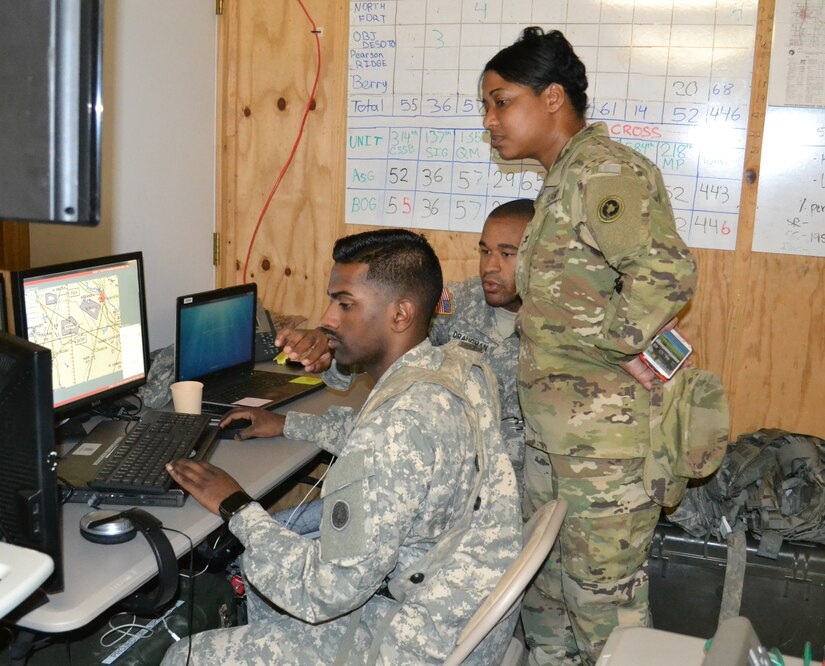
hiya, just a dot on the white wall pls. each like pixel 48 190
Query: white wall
pixel 158 167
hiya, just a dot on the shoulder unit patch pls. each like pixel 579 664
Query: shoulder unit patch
pixel 610 209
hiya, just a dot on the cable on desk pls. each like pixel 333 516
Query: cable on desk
pixel 190 619
pixel 124 411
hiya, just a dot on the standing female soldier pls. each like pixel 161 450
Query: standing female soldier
pixel 601 269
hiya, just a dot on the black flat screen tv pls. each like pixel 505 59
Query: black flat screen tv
pixel 50 110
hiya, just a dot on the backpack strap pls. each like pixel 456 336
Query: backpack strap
pixel 734 575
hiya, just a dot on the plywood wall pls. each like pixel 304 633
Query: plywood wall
pixel 758 320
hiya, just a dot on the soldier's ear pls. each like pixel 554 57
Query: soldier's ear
pixel 553 96
pixel 403 314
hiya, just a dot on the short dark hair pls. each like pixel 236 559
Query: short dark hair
pixel 400 260
pixel 537 59
pixel 519 208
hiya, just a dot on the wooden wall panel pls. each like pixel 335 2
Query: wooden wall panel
pixel 14 245
pixel 758 320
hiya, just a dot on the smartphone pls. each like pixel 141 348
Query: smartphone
pixel 666 354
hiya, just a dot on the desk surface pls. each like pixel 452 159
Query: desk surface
pixel 97 576
pixel 22 571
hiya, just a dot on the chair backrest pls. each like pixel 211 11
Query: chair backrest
pixel 540 533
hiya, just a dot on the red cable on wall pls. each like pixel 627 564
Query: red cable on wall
pixel 294 146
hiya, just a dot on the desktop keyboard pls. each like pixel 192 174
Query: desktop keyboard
pixel 253 385
pixel 138 464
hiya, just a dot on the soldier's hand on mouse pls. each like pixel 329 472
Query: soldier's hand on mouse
pixel 262 422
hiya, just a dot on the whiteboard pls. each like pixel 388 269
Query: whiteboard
pixel 671 79
pixel 790 204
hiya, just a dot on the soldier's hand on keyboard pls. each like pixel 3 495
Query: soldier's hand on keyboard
pixel 308 346
pixel 261 422
pixel 208 484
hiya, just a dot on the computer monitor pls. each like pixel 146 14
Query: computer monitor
pixel 91 314
pixel 29 507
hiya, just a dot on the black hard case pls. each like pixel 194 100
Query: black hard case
pixel 784 598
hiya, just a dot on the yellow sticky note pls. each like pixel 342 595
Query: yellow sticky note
pixel 281 359
pixel 305 379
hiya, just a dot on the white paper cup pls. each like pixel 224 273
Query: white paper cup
pixel 186 396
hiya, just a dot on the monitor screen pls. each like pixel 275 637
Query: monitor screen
pixel 92 316
pixel 215 331
pixel 29 508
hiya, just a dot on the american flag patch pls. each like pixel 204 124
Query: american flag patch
pixel 445 303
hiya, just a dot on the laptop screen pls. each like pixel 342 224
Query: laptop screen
pixel 215 331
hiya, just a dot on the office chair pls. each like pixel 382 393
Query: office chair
pixel 540 534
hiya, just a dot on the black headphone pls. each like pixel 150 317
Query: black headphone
pixel 106 526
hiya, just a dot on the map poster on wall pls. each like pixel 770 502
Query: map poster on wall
pixel 798 54
pixel 670 79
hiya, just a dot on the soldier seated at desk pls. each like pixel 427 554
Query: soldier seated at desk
pixel 421 511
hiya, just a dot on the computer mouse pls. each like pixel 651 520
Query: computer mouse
pixel 234 427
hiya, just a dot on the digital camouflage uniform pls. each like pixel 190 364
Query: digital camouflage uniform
pixel 600 270
pixel 403 502
pixel 473 322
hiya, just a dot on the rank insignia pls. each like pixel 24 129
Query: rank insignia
pixel 610 209
pixel 445 303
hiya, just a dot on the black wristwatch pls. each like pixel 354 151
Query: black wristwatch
pixel 233 504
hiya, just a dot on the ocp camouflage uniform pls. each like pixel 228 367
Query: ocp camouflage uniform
pixel 473 322
pixel 600 270
pixel 408 516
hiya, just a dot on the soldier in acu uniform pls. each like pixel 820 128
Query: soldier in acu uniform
pixel 481 312
pixel 420 515
pixel 600 271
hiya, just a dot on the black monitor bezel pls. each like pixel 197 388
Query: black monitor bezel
pixel 18 280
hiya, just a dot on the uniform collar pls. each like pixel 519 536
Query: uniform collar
pixel 553 178
pixel 421 355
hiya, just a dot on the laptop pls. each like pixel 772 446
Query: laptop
pixel 215 345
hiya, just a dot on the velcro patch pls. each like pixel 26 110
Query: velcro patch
pixel 613 206
pixel 345 508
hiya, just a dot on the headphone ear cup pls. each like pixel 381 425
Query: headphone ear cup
pixel 107 527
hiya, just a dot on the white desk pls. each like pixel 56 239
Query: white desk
pixel 97 576
pixel 22 571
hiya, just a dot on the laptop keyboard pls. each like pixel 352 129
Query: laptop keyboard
pixel 139 463
pixel 253 385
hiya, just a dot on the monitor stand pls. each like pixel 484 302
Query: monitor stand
pixel 68 432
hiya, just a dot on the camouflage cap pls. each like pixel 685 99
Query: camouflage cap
pixel 689 423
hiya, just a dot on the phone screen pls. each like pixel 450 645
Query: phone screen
pixel 666 353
